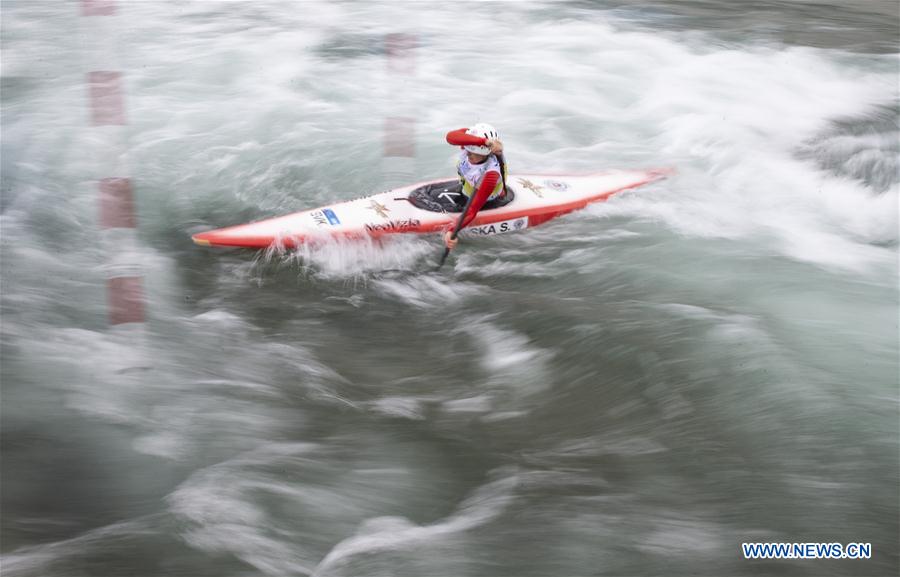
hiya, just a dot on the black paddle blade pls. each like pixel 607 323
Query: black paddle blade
pixel 443 259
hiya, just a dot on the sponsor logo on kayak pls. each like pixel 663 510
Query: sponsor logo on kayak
pixel 557 185
pixel 379 208
pixel 325 216
pixel 535 188
pixel 394 225
pixel 497 227
pixel 332 218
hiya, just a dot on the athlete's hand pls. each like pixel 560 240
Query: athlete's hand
pixel 495 145
pixel 449 240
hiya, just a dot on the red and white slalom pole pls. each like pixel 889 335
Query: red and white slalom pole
pixel 398 162
pixel 107 119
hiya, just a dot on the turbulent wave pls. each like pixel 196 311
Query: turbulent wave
pixel 632 389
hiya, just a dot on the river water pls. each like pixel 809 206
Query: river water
pixel 634 389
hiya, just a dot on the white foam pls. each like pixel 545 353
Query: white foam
pixel 428 291
pixel 398 534
pixel 402 407
pixel 354 259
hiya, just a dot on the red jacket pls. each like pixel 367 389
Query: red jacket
pixel 488 183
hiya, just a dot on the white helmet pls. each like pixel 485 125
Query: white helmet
pixel 485 131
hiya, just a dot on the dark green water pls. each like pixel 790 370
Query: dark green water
pixel 635 389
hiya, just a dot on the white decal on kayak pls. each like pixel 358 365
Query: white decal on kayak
pixel 497 227
pixel 557 185
pixel 448 195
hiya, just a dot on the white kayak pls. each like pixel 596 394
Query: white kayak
pixel 428 207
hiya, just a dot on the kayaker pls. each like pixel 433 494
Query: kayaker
pixel 478 168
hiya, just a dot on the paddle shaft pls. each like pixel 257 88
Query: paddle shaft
pixel 456 230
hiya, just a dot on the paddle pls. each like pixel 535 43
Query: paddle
pixel 466 210
pixel 456 230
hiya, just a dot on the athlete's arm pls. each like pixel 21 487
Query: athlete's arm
pixel 488 183
pixel 460 138
pixel 481 196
